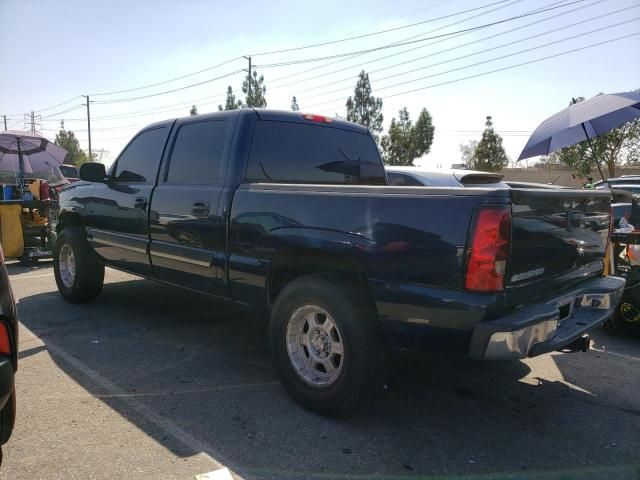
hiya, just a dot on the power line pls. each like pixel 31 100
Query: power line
pixel 64 111
pixel 384 47
pixel 451 24
pixel 332 42
pixel 519 27
pixel 59 104
pixel 47 108
pixel 529 62
pixel 129 99
pixel 152 111
pixel 350 78
pixel 526 50
pixel 496 48
pixel 229 61
pixel 166 81
pixel 464 67
pixel 397 17
pixel 509 67
pixel 99 129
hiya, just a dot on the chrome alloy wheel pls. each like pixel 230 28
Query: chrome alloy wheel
pixel 315 347
pixel 67 265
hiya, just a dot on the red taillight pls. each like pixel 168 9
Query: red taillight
pixel 44 191
pixel 5 341
pixel 317 118
pixel 488 250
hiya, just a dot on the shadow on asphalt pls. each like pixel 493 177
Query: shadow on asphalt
pixel 205 366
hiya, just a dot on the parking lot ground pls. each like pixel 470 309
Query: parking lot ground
pixel 151 382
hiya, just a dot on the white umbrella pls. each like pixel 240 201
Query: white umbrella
pixel 26 152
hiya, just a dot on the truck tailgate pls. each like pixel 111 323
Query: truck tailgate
pixel 556 232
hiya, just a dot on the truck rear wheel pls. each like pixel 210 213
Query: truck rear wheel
pixel 325 343
pixel 78 273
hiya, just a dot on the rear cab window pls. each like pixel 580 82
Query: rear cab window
pixel 288 152
pixel 403 180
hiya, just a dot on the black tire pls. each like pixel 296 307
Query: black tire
pixel 355 316
pixel 87 282
pixel 7 419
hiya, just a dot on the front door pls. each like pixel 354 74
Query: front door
pixel 187 227
pixel 118 210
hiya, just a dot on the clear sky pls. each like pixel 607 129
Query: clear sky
pixel 53 51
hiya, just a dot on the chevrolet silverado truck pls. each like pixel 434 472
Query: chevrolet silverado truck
pixel 291 214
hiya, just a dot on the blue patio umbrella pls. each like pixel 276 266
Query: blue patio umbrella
pixel 582 121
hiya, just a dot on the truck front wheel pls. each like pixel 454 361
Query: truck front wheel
pixel 78 273
pixel 325 343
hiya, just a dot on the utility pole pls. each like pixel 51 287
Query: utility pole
pixel 89 126
pixel 33 123
pixel 249 77
pixel 5 122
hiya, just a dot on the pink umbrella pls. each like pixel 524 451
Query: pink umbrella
pixel 26 152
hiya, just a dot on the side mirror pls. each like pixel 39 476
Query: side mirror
pixel 93 172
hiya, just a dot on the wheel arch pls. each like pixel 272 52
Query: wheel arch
pixel 293 262
pixel 69 219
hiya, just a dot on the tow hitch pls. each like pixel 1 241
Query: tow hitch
pixel 581 344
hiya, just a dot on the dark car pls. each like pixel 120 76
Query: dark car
pixel 292 215
pixel 8 355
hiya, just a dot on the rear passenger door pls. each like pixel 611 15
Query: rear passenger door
pixel 117 211
pixel 188 241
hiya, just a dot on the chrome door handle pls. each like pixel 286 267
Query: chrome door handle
pixel 141 203
pixel 200 209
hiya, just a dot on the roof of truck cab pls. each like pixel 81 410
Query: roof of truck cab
pixel 299 117
pixel 273 115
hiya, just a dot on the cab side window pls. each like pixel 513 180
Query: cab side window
pixel 137 164
pixel 197 153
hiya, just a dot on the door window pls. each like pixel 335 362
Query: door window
pixel 138 161
pixel 197 153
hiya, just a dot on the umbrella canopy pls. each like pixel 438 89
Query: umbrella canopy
pixel 26 152
pixel 582 121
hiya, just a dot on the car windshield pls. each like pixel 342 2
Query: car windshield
pixel 69 171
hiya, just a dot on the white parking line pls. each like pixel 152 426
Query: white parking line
pixel 616 354
pixel 22 277
pixel 219 388
pixel 151 416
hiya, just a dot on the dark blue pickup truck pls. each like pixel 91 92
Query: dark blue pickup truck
pixel 291 214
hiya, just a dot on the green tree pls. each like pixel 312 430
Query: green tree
pixel 230 102
pixel 254 90
pixel 194 111
pixel 620 146
pixel 363 107
pixel 405 141
pixel 489 154
pixel 67 140
pixel 423 133
pixel 294 104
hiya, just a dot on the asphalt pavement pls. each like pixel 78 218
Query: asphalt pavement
pixel 152 382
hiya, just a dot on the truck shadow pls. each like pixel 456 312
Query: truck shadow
pixel 205 368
